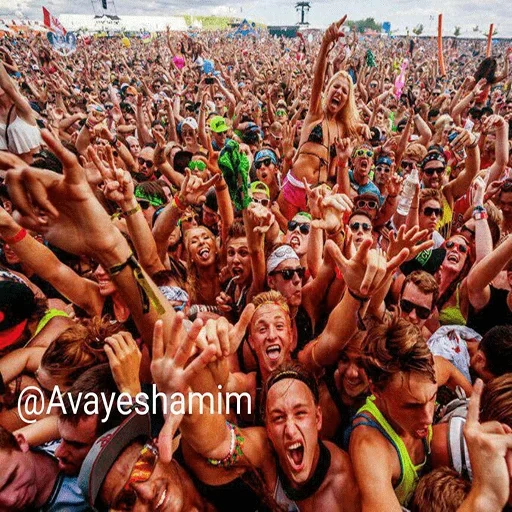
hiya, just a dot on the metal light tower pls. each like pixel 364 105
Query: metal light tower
pixel 303 8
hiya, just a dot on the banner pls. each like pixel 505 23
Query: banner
pixel 52 23
pixel 63 45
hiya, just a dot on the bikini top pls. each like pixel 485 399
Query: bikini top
pixel 317 136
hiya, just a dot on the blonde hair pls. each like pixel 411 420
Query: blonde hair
pixel 348 115
pixel 271 297
pixel 442 490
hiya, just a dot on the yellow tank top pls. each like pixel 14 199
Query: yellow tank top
pixel 409 473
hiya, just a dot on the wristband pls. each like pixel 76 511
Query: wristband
pixel 480 215
pixel 473 144
pixel 479 208
pixel 18 237
pixel 221 188
pixel 176 201
pixel 131 212
pixel 360 323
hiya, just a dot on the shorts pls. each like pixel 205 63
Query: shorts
pixel 294 192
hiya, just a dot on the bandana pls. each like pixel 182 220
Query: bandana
pixel 153 200
pixel 384 160
pixel 235 168
pixel 285 252
pixel 266 153
pixel 174 293
pixel 434 155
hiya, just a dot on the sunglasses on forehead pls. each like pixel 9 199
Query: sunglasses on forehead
pixel 304 228
pixel 147 163
pixel 288 273
pixel 141 472
pixel 266 162
pixel 407 307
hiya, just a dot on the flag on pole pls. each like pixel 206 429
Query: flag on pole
pixel 52 23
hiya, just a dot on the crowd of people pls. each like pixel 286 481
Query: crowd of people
pixel 316 230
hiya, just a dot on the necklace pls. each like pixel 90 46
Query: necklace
pixel 314 483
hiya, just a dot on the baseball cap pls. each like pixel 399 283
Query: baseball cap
pixel 428 260
pixel 218 124
pixel 190 121
pixel 105 451
pixel 259 186
pixel 17 304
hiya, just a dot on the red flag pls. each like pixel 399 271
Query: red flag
pixel 52 23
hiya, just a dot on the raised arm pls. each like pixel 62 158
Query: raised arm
pixel 20 102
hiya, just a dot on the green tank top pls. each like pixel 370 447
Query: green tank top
pixel 51 313
pixel 444 226
pixel 409 473
pixel 452 315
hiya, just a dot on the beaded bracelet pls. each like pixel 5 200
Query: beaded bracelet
pixel 235 448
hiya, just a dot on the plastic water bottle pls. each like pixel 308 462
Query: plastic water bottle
pixel 408 191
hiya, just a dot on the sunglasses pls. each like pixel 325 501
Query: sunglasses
pixel 304 228
pixel 144 204
pixel 190 218
pixel 432 170
pixel 381 168
pixel 373 86
pixel 407 165
pixel 197 165
pixel 147 163
pixel 407 307
pixel 428 211
pixel 109 107
pixel 363 152
pixel 266 162
pixel 218 98
pixel 363 203
pixel 288 273
pixel 356 225
pixel 141 472
pixel 276 137
pixel 263 202
pixel 463 248
pixel 281 113
pixel 436 94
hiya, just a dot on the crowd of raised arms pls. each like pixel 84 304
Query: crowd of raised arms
pixel 310 234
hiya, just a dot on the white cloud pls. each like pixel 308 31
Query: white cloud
pixel 400 13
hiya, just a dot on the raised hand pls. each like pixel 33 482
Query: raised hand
pixel 333 33
pixel 410 240
pixel 477 192
pixel 259 218
pixel 193 189
pixel 490 451
pixel 124 358
pixel 64 207
pixel 344 149
pixel 368 269
pixel 171 374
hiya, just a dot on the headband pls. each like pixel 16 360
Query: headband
pixel 266 153
pixel 293 374
pixel 153 199
pixel 384 160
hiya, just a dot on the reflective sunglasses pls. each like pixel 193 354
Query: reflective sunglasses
pixel 197 165
pixel 304 228
pixel 363 152
pixel 370 203
pixel 463 248
pixel 281 113
pixel 356 225
pixel 266 162
pixel 218 98
pixel 407 165
pixel 382 168
pixel 407 307
pixel 263 202
pixel 428 211
pixel 141 472
pixel 147 163
pixel 432 170
pixel 190 218
pixel 288 273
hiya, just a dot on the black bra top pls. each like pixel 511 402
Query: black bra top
pixel 317 136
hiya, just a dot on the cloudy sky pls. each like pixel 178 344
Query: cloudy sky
pixel 401 13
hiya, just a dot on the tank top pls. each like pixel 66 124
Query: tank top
pixel 283 500
pixel 409 473
pixel 452 315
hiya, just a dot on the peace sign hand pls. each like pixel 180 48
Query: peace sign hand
pixel 193 189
